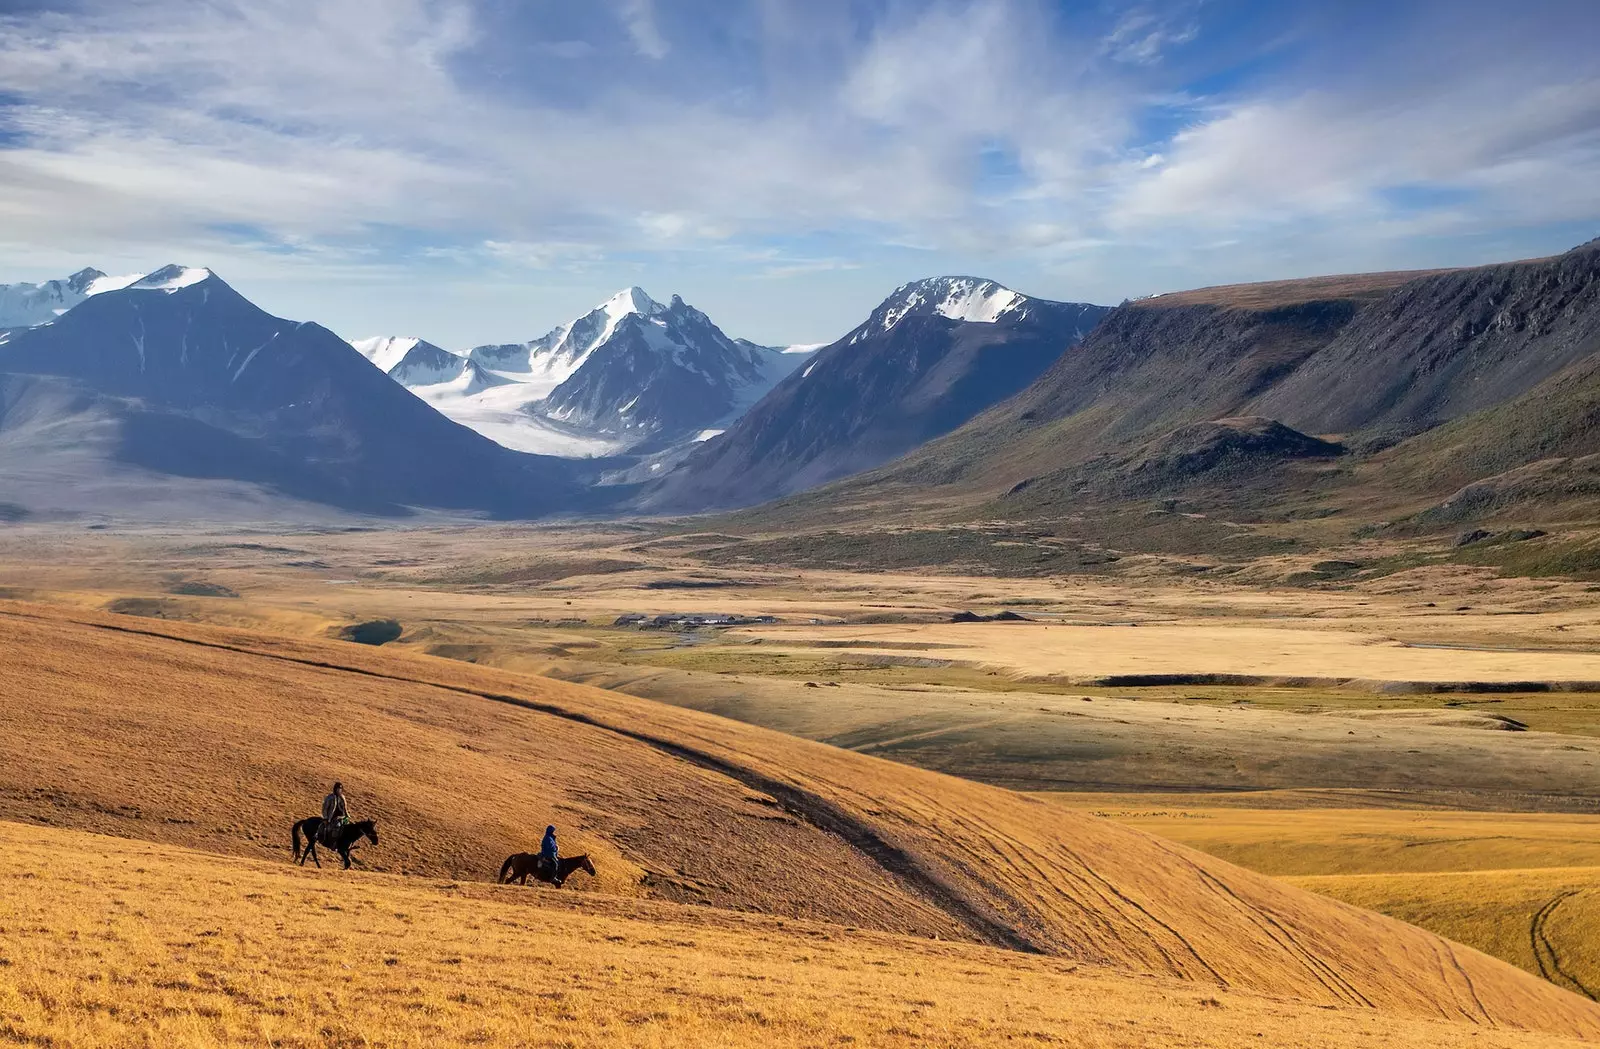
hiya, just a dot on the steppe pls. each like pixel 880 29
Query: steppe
pixel 1165 810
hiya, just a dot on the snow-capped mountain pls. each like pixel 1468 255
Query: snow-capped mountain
pixel 417 362
pixel 632 373
pixel 25 305
pixel 661 371
pixel 179 383
pixel 932 355
pixel 970 299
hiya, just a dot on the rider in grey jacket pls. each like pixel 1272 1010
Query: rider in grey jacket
pixel 334 814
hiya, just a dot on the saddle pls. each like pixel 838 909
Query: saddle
pixel 325 833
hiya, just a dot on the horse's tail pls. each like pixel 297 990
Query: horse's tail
pixel 294 836
pixel 505 868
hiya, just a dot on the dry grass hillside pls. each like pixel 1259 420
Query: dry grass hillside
pixel 216 738
pixel 1522 886
pixel 107 942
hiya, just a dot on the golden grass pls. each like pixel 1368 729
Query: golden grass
pixel 1318 841
pixel 1086 653
pixel 200 736
pixel 110 943
pixel 1524 887
pixel 1278 293
pixel 1544 920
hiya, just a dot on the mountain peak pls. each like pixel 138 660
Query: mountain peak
pixel 631 300
pixel 80 281
pixel 172 278
pixel 972 299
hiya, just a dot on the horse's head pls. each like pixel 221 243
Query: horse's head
pixel 587 865
pixel 370 829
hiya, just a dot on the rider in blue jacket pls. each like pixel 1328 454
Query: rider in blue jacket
pixel 549 853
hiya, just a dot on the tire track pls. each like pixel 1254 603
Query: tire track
pixel 1544 948
pixel 1327 975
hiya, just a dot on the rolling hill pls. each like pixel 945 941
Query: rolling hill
pixel 209 738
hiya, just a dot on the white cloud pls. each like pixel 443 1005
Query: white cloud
pixel 1142 36
pixel 366 134
pixel 639 16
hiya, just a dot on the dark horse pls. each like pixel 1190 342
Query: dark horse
pixel 518 867
pixel 344 839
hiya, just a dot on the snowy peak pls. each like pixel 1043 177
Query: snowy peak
pixel 385 351
pixel 25 305
pixel 632 300
pixel 84 279
pixel 969 299
pixel 424 364
pixel 172 278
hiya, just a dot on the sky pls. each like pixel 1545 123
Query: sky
pixel 474 171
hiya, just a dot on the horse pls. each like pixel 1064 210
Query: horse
pixel 344 839
pixel 518 867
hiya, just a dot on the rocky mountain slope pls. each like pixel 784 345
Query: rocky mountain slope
pixel 1415 384
pixel 178 378
pixel 631 374
pixel 931 356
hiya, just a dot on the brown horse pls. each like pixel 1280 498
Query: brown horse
pixel 344 839
pixel 518 868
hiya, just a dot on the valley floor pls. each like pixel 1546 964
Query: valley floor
pixel 1426 746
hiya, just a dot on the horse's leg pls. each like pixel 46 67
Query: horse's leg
pixel 311 850
pixel 344 854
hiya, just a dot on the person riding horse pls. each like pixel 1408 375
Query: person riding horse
pixel 550 854
pixel 335 814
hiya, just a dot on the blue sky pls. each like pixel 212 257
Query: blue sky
pixel 479 170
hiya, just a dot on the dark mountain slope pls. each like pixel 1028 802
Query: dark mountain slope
pixel 1387 356
pixel 1148 369
pixel 928 358
pixel 1447 345
pixel 180 376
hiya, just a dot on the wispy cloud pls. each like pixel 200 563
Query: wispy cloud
pixel 1142 35
pixel 640 18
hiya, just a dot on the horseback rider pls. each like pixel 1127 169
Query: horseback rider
pixel 550 854
pixel 334 815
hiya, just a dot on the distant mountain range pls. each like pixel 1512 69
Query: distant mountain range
pixel 25 305
pixel 1424 400
pixel 1406 400
pixel 177 392
pixel 930 357
pixel 632 374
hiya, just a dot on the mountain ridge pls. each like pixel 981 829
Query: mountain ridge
pixel 179 363
pixel 929 357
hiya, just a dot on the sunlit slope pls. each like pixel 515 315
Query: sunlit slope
pixel 216 738
pixel 108 942
pixel 1546 920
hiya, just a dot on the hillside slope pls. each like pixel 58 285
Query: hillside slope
pixel 1505 353
pixel 115 942
pixel 216 738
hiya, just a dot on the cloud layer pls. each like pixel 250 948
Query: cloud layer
pixel 771 146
